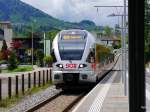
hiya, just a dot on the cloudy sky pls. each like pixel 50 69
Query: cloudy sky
pixel 77 10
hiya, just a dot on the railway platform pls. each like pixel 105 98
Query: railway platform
pixel 107 96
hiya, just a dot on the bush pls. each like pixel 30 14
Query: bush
pixel 12 61
pixel 39 56
pixel 102 52
pixel 48 59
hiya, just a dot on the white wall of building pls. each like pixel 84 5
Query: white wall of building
pixel 8 33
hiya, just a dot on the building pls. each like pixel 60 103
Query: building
pixel 6 32
pixel 108 40
pixel 23 47
pixel 1 37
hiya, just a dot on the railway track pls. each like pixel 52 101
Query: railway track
pixel 43 103
pixel 61 102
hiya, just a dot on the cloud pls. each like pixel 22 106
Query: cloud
pixel 77 10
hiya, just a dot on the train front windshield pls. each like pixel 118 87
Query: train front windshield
pixel 72 45
pixel 71 54
pixel 71 50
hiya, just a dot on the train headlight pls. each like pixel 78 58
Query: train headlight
pixel 60 65
pixel 82 65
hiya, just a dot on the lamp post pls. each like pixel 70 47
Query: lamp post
pixel 32 41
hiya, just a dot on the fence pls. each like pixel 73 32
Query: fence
pixel 12 86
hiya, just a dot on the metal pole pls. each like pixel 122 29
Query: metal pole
pixel 109 6
pixel 122 47
pixel 0 89
pixel 32 45
pixel 44 45
pixel 32 40
pixel 137 98
pixel 124 60
pixel 125 82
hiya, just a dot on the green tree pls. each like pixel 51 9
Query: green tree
pixel 4 47
pixel 51 35
pixel 12 61
pixel 107 31
pixel 48 60
pixel 97 29
pixel 117 30
pixel 147 31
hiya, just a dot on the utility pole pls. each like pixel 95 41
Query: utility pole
pixel 32 40
pixel 137 94
pixel 125 51
pixel 32 45
pixel 44 45
pixel 123 43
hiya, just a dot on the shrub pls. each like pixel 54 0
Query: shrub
pixel 39 56
pixel 48 59
pixel 12 61
pixel 102 53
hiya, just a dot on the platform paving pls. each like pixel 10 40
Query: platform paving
pixel 115 100
pixel 107 96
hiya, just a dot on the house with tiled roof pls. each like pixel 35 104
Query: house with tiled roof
pixel 108 40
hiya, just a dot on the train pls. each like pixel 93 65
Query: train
pixel 79 59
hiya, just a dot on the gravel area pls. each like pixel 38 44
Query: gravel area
pixel 32 100
pixel 59 104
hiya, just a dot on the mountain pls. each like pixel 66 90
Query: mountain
pixel 17 11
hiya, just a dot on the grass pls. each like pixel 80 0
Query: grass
pixel 9 102
pixel 18 69
pixel 22 69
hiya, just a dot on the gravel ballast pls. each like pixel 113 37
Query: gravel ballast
pixel 35 99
